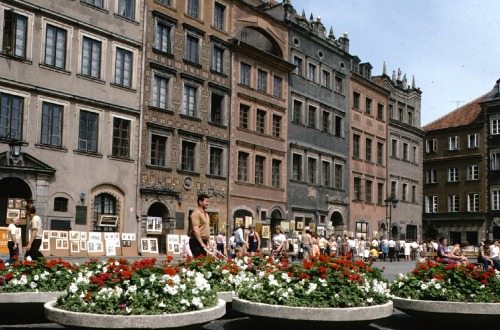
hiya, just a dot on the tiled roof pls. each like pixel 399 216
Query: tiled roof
pixel 464 115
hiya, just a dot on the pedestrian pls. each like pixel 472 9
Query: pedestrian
pixel 392 249
pixel 232 246
pixel 278 242
pixel 253 241
pixel 307 244
pixel 200 227
pixel 220 242
pixel 13 240
pixel 35 236
pixel 239 238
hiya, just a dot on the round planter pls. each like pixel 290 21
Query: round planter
pixel 14 306
pixel 312 318
pixel 458 313
pixel 187 320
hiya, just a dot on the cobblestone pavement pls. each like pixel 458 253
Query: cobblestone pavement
pixel 397 321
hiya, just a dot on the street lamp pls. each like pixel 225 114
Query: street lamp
pixel 15 151
pixel 391 201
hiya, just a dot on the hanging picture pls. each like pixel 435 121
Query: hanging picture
pixel 248 222
pixel 285 226
pixel 154 224
pixel 265 231
pixel 321 231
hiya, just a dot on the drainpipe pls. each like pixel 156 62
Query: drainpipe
pixel 141 111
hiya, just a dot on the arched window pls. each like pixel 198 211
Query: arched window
pixel 61 204
pixel 104 204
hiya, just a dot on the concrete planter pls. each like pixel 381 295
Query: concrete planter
pixel 456 313
pixel 187 320
pixel 15 306
pixel 312 318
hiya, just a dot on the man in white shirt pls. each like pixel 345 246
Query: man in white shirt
pixel 14 240
pixel 239 239
pixel 392 249
pixel 494 251
pixel 35 238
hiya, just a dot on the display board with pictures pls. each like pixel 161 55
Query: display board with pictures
pixel 149 247
pixel 57 243
pixel 16 207
pixel 112 244
pixel 129 245
pixel 95 244
pixel 154 225
pixel 174 245
pixel 76 248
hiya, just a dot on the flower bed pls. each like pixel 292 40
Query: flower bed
pixel 442 282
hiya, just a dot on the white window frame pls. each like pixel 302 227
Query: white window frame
pixel 495 126
pixel 431 204
pixel 473 202
pixel 495 199
pixel 431 176
pixel 495 161
pixel 453 143
pixel 453 175
pixel 473 172
pixel 453 203
pixel 431 146
pixel 473 140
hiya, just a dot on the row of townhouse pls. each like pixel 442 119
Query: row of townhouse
pixel 461 169
pixel 126 110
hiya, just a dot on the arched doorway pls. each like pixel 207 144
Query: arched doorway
pixel 157 215
pixel 15 194
pixel 337 221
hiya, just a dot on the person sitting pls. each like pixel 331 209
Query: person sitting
pixel 484 255
pixel 443 255
pixel 457 253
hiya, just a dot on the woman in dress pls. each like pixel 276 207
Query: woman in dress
pixel 443 252
pixel 279 242
pixel 253 241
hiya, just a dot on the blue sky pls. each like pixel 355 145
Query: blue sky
pixel 452 47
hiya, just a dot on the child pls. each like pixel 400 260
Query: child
pixel 373 254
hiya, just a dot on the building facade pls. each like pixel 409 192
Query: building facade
pixel 69 91
pixel 404 157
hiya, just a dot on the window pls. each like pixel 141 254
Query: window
pixel 495 126
pixel 276 173
pixel 325 78
pixel 401 115
pixel 55 47
pixel 338 176
pixel 104 204
pixel 325 127
pixel 431 204
pixel 325 171
pixel 362 229
pixel 297 167
pixel 472 237
pixel 394 148
pixel 311 117
pixel 96 3
pixel 60 204
pixel 431 176
pixel 453 174
pixel 473 202
pixel 356 146
pixel 393 188
pixel 244 111
pixel 259 169
pixel 368 150
pixel 15 34
pixel 339 132
pixel 473 140
pixel 368 106
pixel 391 111
pixel 298 66
pixel 88 131
pixel 453 203
pixel 380 193
pixel 193 8
pixel 380 153
pixel 311 72
pixel 163 37
pixel 160 94
pixel 217 108
pixel 495 199
pixel 495 161
pixel 410 118
pixel 406 151
pixel 216 161
pixel 219 16
pixel 473 172
pixel 191 52
pixel 126 8
pixel 245 74
pixel 190 103
pixel 405 192
pixel 413 194
pixel 52 121
pixel 357 189
pixel 339 85
pixel 188 154
pixel 260 124
pixel 218 59
pixel 453 143
pixel 158 150
pixel 262 81
pixel 91 58
pixel 276 126
pixel 242 166
pixel 311 170
pixel 165 2
pixel 355 100
pixel 121 137
pixel 277 86
pixel 380 112
pixel 430 146
pixel 297 111
pixel 123 67
pixel 415 154
pixel 368 191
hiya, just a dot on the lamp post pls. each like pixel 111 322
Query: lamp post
pixel 391 201
pixel 15 151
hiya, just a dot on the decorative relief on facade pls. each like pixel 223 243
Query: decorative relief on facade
pixel 337 200
pixel 188 183
pixel 312 193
